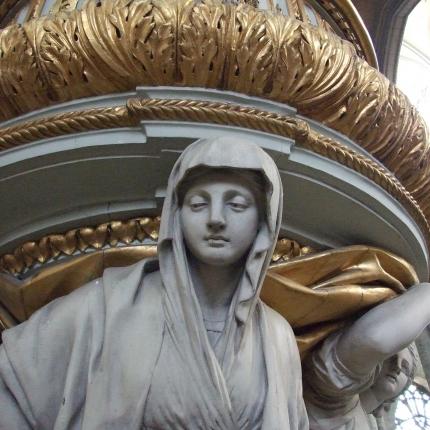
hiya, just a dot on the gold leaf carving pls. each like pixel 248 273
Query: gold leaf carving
pixel 287 249
pixel 79 240
pixel 78 54
pixel 63 5
pixel 117 45
pixel 61 64
pixel 112 234
pixel 326 74
pixel 202 44
pixel 249 57
pixel 347 18
pixel 21 85
pixel 358 113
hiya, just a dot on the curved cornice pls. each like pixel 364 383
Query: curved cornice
pixel 198 111
pixel 115 46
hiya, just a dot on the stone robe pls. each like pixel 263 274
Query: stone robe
pixel 332 392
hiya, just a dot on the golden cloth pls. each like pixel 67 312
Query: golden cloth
pixel 317 294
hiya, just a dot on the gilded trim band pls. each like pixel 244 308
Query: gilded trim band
pixel 111 235
pixel 137 110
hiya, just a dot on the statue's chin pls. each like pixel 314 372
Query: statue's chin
pixel 217 258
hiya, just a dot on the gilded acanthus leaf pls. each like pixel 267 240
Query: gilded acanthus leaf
pixel 21 83
pixel 328 70
pixel 62 65
pixel 116 45
pixel 250 51
pixel 202 41
pixel 359 111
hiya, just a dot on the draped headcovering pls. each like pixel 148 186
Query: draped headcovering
pixel 230 153
pixel 182 310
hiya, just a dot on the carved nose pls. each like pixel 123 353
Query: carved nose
pixel 397 365
pixel 216 220
pixel 216 224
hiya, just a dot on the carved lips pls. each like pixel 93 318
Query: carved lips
pixel 216 241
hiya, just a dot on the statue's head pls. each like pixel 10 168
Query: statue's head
pixel 221 211
pixel 222 187
pixel 395 376
pixel 224 206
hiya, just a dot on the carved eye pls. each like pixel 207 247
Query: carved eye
pixel 238 204
pixel 197 206
pixel 197 203
pixel 405 367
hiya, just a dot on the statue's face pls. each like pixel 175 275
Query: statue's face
pixel 220 218
pixel 395 375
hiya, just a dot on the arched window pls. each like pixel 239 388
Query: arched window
pixel 413 409
pixel 413 71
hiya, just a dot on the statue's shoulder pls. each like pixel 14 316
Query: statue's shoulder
pixel 277 324
pixel 90 301
pixel 275 317
pixel 135 280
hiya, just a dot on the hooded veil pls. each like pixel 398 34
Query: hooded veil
pixel 238 356
pixel 130 344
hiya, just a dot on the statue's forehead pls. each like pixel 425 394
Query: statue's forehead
pixel 225 153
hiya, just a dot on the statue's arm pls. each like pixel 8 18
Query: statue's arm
pixel 385 330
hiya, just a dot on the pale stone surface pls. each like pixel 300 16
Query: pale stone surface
pixel 131 350
pixel 357 370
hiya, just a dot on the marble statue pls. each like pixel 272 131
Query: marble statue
pixel 178 342
pixel 359 368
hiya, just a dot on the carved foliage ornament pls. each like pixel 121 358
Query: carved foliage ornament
pixel 113 234
pixel 115 45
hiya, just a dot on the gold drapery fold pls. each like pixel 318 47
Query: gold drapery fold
pixel 317 293
pixel 322 292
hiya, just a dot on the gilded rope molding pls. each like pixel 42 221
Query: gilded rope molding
pixel 63 124
pixel 139 109
pixel 111 234
pixel 217 113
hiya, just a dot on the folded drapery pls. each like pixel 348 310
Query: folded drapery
pixel 320 293
pixel 317 293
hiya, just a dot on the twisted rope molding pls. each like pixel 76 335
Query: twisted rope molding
pixel 111 234
pixel 63 124
pixel 137 110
